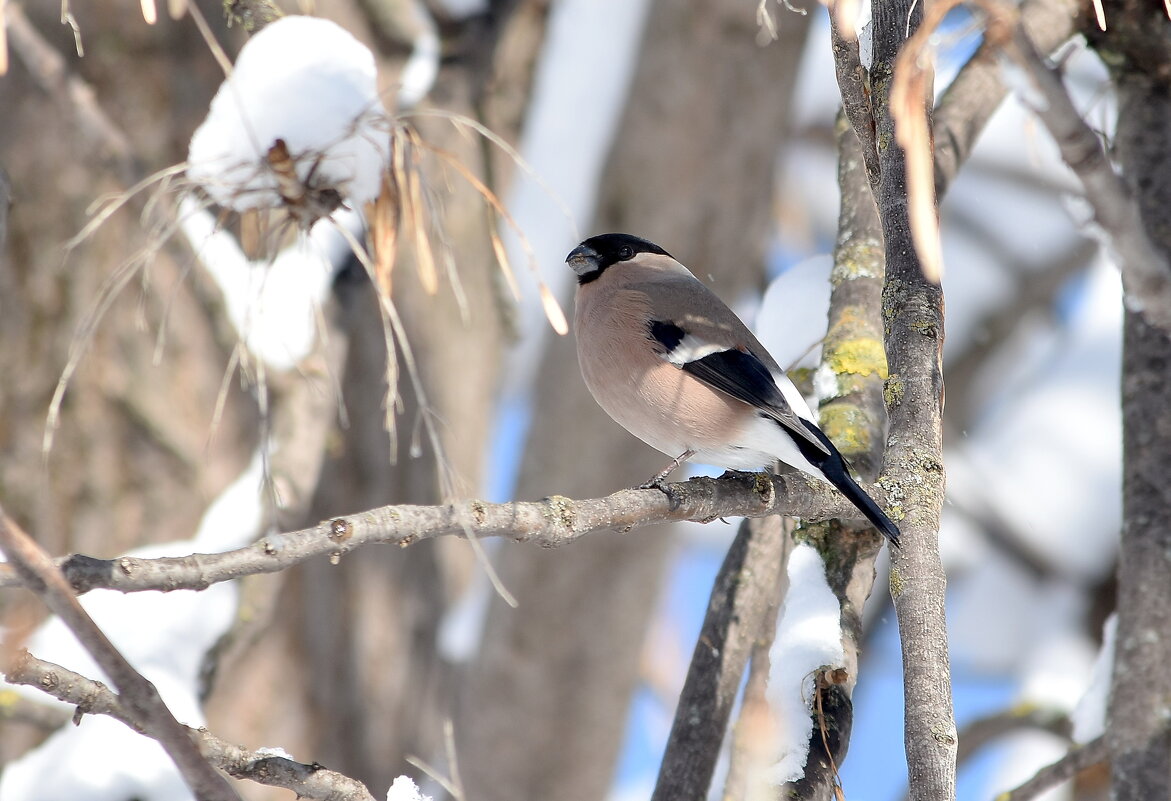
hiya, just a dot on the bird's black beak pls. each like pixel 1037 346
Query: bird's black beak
pixel 583 260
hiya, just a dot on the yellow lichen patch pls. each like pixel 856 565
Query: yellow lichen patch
pixel 859 356
pixel 8 698
pixel 863 259
pixel 896 582
pixel 559 511
pixel 892 391
pixel 848 426
pixel 852 321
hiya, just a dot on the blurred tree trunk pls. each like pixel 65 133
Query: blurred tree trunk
pixel 132 455
pixel 137 456
pixel 690 168
pixel 1137 49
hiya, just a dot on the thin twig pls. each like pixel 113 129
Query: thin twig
pixel 1146 276
pixel 978 89
pixel 549 523
pixel 94 698
pixel 1048 777
pixel 49 69
pixel 137 693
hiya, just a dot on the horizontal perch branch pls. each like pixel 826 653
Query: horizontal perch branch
pixel 550 522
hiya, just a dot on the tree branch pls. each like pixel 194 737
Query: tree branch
pixel 1146 275
pixel 742 596
pixel 550 523
pixel 137 693
pixel 982 731
pixel 1137 50
pixel 978 89
pixel 1077 760
pixel 914 474
pixel 752 751
pixel 72 94
pixel 94 698
pixel 853 416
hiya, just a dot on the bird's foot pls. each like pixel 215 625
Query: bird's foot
pixel 654 483
pixel 657 481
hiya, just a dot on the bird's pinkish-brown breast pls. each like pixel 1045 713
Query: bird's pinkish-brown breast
pixel 664 406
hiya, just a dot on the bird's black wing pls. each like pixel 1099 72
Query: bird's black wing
pixel 739 374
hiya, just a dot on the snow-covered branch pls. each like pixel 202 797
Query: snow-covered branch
pixel 136 693
pixel 550 522
pixel 261 766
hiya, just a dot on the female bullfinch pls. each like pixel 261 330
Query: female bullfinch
pixel 674 366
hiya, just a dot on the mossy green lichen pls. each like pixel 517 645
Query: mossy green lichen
pixel 803 378
pixel 762 485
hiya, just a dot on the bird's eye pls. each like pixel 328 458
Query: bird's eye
pixel 625 252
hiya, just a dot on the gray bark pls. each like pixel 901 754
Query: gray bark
pixel 1137 48
pixel 913 310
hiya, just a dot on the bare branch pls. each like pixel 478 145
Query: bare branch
pixel 978 89
pixel 854 86
pixel 33 713
pixel 982 731
pixel 1077 760
pixel 855 417
pixel 1146 275
pixel 138 694
pixel 1137 51
pixel 550 523
pixel 73 94
pixel 743 595
pixel 913 313
pixel 94 698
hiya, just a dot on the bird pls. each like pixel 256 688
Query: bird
pixel 674 366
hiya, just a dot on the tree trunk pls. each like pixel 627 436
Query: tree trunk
pixel 1137 48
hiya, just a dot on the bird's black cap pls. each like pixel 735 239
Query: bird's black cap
pixel 593 256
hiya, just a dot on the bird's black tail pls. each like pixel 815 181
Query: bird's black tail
pixel 833 467
pixel 845 483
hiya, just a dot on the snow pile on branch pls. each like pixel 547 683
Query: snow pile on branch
pixel 405 789
pixel 273 303
pixel 809 638
pixel 301 106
